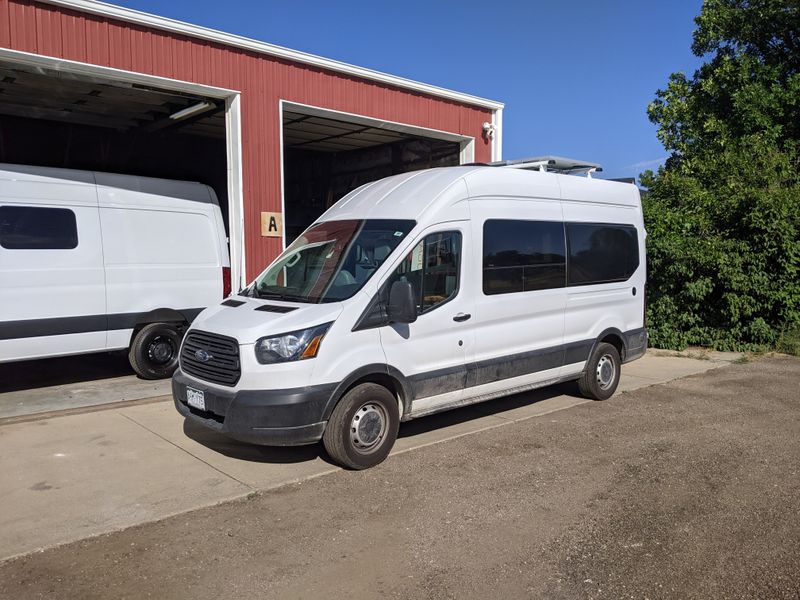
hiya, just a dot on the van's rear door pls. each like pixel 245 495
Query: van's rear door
pixel 161 249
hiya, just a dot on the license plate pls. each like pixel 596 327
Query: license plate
pixel 196 398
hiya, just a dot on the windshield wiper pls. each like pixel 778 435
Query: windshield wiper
pixel 259 294
pixel 281 296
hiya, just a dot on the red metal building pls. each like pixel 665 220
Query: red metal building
pixel 84 69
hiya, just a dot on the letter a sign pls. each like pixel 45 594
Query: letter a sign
pixel 271 224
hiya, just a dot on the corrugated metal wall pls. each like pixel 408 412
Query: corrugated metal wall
pixel 263 81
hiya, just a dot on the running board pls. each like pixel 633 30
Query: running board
pixel 421 408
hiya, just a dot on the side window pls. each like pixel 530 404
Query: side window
pixel 432 268
pixel 601 253
pixel 37 228
pixel 521 256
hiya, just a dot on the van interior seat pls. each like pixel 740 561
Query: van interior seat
pixel 366 265
pixel 343 277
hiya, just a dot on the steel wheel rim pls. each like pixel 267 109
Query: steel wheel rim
pixel 606 371
pixel 368 428
pixel 161 350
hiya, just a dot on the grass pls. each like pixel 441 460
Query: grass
pixel 789 342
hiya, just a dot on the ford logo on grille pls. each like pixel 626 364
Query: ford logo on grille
pixel 202 355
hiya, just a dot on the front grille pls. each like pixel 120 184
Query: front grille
pixel 223 364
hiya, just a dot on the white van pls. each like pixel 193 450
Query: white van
pixel 419 293
pixel 91 262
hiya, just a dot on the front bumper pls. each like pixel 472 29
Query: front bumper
pixel 289 417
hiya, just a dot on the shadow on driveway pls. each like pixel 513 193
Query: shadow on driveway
pixel 47 372
pixel 251 452
pixel 300 454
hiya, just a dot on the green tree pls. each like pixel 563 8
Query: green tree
pixel 723 214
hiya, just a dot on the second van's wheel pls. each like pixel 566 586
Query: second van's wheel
pixel 601 376
pixel 363 427
pixel 154 351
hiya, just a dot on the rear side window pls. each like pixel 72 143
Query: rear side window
pixel 601 253
pixel 37 228
pixel 521 256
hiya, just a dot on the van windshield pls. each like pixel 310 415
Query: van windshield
pixel 330 261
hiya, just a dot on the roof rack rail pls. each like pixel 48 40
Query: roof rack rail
pixel 556 164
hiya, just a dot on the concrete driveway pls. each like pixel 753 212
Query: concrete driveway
pixel 71 383
pixel 68 477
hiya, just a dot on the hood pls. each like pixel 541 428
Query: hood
pixel 248 319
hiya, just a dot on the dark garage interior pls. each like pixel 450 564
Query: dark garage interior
pixel 326 158
pixel 56 119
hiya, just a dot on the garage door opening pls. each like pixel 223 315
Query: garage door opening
pixel 58 119
pixel 326 155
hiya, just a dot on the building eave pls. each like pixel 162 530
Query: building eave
pixel 120 13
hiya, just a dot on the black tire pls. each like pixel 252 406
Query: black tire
pixel 601 377
pixel 360 446
pixel 154 351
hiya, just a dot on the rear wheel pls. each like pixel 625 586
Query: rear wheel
pixel 154 351
pixel 363 427
pixel 601 377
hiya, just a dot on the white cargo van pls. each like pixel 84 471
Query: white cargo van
pixel 95 261
pixel 419 293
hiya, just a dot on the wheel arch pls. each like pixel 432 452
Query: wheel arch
pixel 382 374
pixel 612 336
pixel 161 315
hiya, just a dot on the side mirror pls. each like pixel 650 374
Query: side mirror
pixel 402 306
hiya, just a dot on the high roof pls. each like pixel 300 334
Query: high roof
pixel 419 195
pixel 120 13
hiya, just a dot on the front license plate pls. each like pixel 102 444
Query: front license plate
pixel 196 398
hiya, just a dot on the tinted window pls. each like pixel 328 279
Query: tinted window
pixel 37 228
pixel 432 268
pixel 601 253
pixel 520 256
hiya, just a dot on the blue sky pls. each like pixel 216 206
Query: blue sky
pixel 576 76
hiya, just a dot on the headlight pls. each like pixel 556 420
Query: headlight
pixel 297 345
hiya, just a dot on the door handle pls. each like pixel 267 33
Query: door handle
pixel 461 317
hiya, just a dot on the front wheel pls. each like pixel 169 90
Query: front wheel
pixel 601 377
pixel 154 351
pixel 363 427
